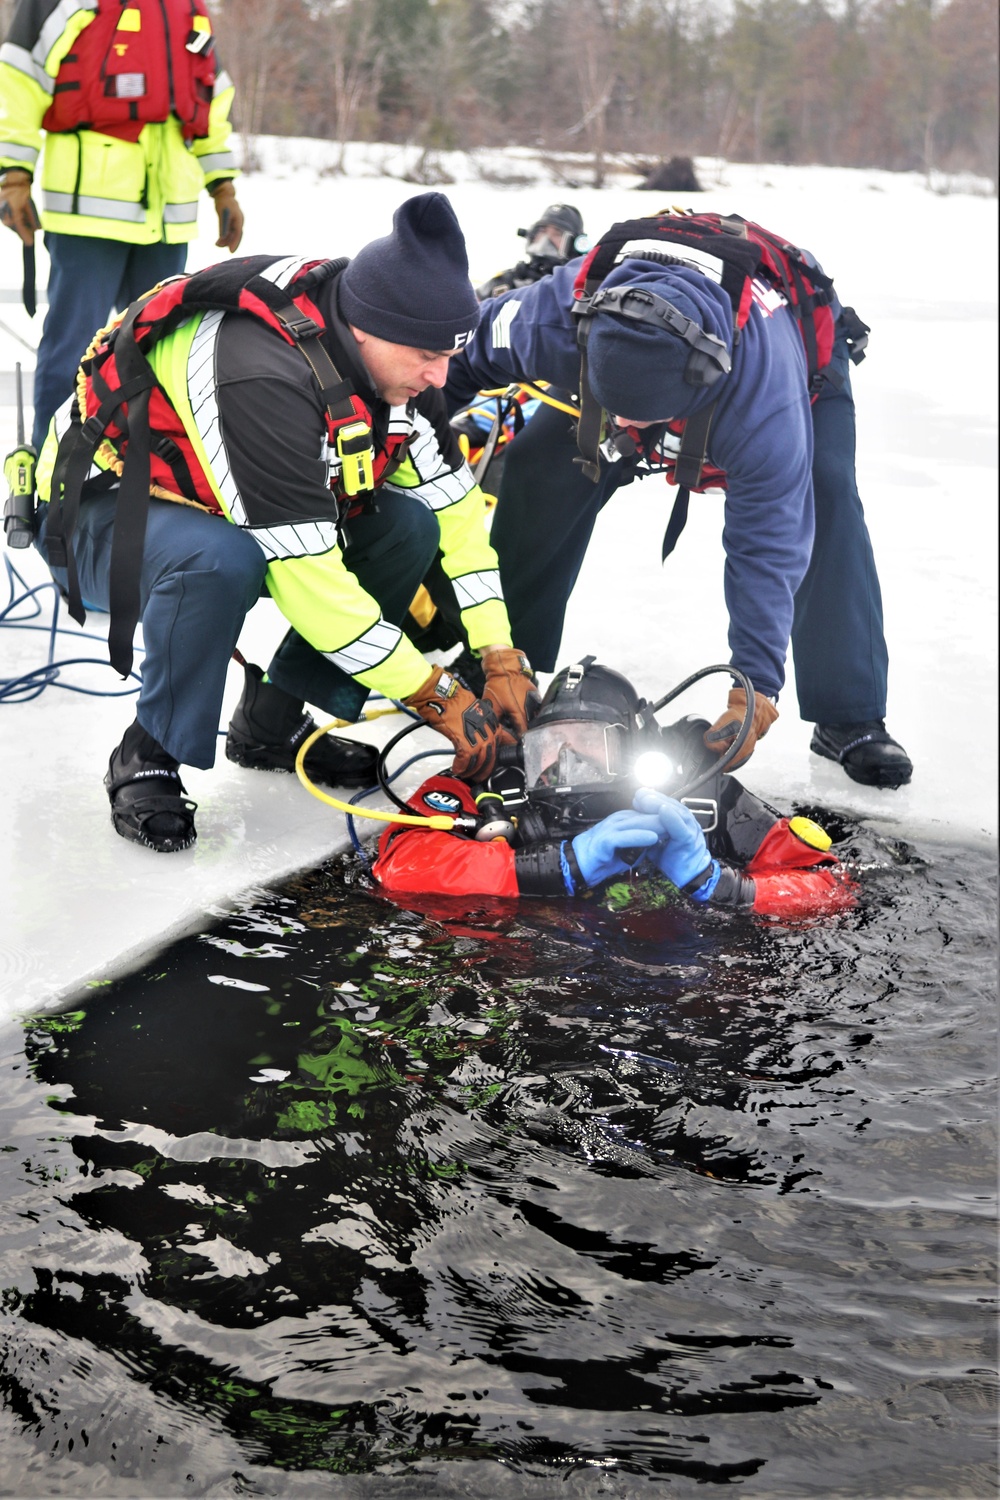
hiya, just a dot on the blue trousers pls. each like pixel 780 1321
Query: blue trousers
pixel 547 510
pixel 88 280
pixel 200 577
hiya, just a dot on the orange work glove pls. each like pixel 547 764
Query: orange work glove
pixel 17 209
pixel 727 726
pixel 512 690
pixel 230 215
pixel 469 722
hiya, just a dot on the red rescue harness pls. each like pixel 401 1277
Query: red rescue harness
pixel 122 411
pixel 742 256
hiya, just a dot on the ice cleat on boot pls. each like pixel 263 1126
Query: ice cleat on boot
pixel 268 727
pixel 867 752
pixel 149 805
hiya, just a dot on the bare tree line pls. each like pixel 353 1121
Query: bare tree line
pixel 902 84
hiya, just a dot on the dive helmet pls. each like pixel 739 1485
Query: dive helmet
pixel 570 241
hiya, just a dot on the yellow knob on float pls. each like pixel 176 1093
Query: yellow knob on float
pixel 810 833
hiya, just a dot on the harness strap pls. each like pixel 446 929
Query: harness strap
pixel 687 473
pixel 73 464
pixel 335 391
pixel 128 539
pixel 589 426
pixel 591 420
pixel 694 447
pixel 676 522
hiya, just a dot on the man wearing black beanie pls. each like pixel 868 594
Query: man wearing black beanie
pixel 288 394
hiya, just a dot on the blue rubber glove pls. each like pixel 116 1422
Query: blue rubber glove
pixel 681 853
pixel 598 850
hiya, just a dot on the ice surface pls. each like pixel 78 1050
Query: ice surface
pixel 79 904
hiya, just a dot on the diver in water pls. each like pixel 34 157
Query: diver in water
pixel 585 806
pixel 551 241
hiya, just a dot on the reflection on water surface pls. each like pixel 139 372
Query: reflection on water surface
pixel 481 1201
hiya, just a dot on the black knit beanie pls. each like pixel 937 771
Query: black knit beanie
pixel 412 287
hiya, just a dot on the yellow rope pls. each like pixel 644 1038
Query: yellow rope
pixel 536 389
pixel 540 395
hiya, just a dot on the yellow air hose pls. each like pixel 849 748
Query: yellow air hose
pixel 437 820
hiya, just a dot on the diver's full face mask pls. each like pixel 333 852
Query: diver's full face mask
pixel 566 755
pixel 547 241
pixel 590 747
pixel 549 244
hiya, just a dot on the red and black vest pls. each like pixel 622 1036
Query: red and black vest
pixel 121 405
pixel 136 64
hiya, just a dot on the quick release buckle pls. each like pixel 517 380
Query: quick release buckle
pixel 356 454
pixel 300 327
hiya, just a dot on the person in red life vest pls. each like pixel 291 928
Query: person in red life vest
pixel 275 425
pixel 583 818
pixel 134 109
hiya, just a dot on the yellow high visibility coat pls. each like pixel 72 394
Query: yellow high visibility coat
pixel 139 192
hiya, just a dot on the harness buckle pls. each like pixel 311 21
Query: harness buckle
pixel 93 430
pixel 300 327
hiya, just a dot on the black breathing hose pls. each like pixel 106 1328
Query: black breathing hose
pixel 729 756
pixel 380 765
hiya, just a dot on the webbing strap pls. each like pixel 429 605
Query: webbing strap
pixel 335 391
pixel 128 540
pixel 589 425
pixel 687 473
pixel 676 523
pixel 73 462
pixel 694 447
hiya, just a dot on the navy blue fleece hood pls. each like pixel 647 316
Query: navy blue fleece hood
pixel 636 370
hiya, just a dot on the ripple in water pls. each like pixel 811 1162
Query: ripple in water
pixel 484 1201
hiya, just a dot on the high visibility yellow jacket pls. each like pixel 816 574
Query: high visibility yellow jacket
pixel 101 184
pixel 255 419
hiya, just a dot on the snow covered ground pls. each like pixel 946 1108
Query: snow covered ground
pixel 79 904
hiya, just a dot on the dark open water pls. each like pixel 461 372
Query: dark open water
pixel 543 1200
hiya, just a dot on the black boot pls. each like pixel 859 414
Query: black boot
pixel 867 752
pixel 268 727
pixel 469 668
pixel 148 801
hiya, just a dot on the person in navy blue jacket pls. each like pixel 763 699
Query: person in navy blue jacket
pixel 799 563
